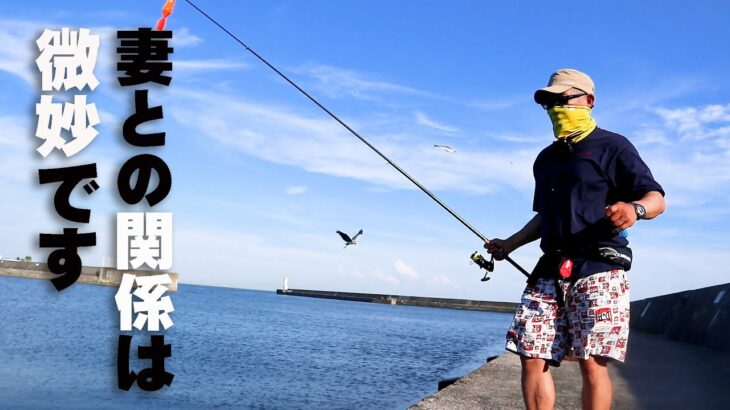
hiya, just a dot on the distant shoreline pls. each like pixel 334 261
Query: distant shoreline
pixel 92 275
pixel 462 304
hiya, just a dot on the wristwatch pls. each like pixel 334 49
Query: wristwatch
pixel 640 210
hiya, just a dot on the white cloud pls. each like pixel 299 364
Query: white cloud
pixel 386 277
pixel 337 82
pixel 357 274
pixel 183 38
pixel 693 123
pixel 423 119
pixel 689 154
pixel 12 130
pixel 497 105
pixel 20 61
pixel 443 281
pixel 296 190
pixel 520 138
pixel 278 135
pixel 212 64
pixel 14 58
pixel 404 269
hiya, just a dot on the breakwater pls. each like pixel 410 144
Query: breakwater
pixel 445 303
pixel 93 275
pixel 699 316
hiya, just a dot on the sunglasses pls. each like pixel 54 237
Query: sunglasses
pixel 560 100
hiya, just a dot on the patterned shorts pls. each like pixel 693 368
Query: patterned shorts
pixel 594 322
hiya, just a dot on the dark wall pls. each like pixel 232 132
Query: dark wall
pixel 700 316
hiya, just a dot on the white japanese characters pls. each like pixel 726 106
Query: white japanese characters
pixel 153 309
pixel 67 59
pixel 77 117
pixel 144 239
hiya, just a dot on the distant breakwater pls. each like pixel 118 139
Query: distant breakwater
pixel 464 304
pixel 93 275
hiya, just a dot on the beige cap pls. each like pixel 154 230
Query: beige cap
pixel 563 80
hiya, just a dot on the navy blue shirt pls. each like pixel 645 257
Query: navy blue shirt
pixel 572 191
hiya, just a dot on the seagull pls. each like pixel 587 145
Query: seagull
pixel 348 240
pixel 444 147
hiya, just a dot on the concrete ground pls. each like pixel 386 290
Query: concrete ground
pixel 658 374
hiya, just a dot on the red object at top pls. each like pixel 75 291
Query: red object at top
pixel 166 11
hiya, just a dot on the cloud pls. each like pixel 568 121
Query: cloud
pixel 279 135
pixel 12 130
pixel 520 139
pixel 442 281
pixel 502 104
pixel 296 190
pixel 404 269
pixel 16 48
pixel 423 119
pixel 357 275
pixel 386 277
pixel 212 64
pixel 20 60
pixel 696 123
pixel 688 150
pixel 338 82
pixel 184 38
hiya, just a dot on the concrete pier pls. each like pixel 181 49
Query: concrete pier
pixel 663 370
pixel 464 304
pixel 94 275
pixel 658 374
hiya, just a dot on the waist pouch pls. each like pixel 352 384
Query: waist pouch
pixel 621 256
pixel 549 263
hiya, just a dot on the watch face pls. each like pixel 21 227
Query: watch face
pixel 640 211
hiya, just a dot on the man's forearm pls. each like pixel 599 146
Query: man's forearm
pixel 654 204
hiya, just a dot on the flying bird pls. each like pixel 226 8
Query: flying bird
pixel 348 240
pixel 444 147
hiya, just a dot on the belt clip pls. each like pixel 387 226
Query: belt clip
pixel 566 268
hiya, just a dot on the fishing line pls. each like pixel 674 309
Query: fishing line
pixel 393 164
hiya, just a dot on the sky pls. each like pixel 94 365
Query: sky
pixel 262 178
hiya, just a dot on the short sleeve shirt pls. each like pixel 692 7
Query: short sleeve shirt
pixel 572 191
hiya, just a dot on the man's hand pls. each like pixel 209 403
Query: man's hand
pixel 499 248
pixel 621 215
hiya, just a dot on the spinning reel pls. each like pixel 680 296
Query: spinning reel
pixel 487 265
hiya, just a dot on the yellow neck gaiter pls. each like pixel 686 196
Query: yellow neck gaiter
pixel 572 123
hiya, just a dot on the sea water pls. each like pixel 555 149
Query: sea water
pixel 234 348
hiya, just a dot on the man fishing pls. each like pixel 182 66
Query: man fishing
pixel 590 186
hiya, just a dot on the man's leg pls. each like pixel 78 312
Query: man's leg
pixel 598 318
pixel 538 334
pixel 538 389
pixel 596 393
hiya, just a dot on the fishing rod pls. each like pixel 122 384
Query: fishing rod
pixel 476 257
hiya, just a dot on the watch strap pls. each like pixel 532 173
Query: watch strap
pixel 640 210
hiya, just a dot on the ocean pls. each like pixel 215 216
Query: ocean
pixel 235 348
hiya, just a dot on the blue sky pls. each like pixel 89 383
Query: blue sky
pixel 262 178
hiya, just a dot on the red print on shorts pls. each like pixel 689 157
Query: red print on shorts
pixel 603 315
pixel 593 322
